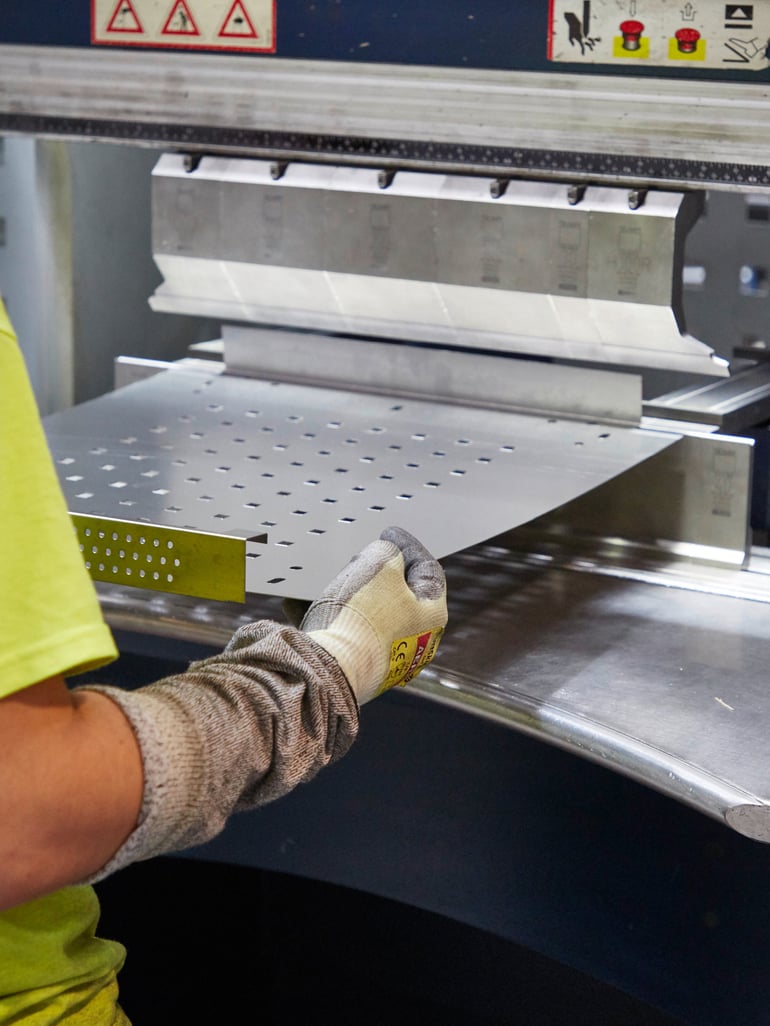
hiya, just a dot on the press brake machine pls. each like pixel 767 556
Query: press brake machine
pixel 452 296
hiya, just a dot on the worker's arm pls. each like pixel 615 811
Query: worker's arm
pixel 71 787
pixel 126 775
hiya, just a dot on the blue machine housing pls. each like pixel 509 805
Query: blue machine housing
pixel 492 35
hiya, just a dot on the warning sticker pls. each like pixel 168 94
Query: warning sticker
pixel 180 22
pixel 186 24
pixel 707 33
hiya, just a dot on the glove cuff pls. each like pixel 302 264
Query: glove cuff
pixel 352 641
pixel 235 731
pixel 174 775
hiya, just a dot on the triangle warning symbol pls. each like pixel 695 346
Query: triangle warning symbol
pixel 237 24
pixel 124 18
pixel 180 21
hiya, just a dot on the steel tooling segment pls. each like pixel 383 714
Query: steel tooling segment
pixel 227 455
pixel 431 258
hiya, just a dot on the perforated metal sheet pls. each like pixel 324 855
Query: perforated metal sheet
pixel 315 474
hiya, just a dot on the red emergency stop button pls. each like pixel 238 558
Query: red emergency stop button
pixel 687 40
pixel 631 32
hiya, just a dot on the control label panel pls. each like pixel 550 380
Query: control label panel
pixel 702 33
pixel 234 25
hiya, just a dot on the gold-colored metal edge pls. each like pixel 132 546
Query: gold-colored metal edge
pixel 169 559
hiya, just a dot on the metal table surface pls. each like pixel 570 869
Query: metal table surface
pixel 662 678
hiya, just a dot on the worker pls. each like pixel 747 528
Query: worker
pixel 96 777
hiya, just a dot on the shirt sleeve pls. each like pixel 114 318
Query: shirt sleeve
pixel 50 619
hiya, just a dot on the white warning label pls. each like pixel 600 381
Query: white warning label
pixel 185 24
pixel 705 33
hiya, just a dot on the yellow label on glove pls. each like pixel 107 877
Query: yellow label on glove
pixel 409 655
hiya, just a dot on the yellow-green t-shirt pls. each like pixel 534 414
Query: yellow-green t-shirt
pixel 52 968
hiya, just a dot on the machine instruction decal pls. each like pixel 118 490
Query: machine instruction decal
pixel 703 33
pixel 235 25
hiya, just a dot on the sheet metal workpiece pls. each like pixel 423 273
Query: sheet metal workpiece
pixel 301 489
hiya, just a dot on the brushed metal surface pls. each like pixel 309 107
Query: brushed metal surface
pixel 581 126
pixel 322 472
pixel 738 403
pixel 493 382
pixel 659 674
pixel 667 685
pixel 433 258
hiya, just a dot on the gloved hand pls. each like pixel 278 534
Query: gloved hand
pixel 246 726
pixel 382 617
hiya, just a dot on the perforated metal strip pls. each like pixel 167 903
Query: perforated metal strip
pixel 159 558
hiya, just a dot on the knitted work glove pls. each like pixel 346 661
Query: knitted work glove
pixel 382 617
pixel 235 731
